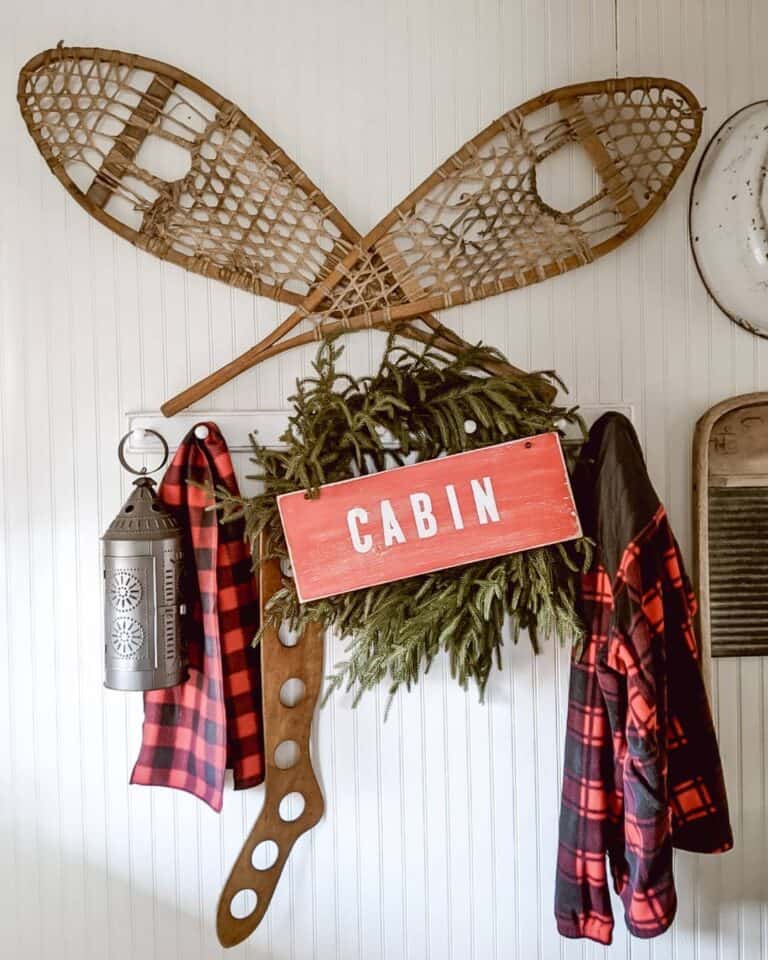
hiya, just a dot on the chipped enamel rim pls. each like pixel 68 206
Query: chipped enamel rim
pixel 728 217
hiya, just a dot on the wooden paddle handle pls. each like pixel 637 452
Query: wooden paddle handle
pixel 302 662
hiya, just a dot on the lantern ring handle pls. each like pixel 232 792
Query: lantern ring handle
pixel 143 472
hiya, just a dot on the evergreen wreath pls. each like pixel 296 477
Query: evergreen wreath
pixel 415 407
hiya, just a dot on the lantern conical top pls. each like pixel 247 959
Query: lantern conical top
pixel 143 516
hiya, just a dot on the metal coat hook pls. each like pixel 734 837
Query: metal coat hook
pixel 144 470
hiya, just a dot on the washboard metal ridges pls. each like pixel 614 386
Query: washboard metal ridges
pixel 731 526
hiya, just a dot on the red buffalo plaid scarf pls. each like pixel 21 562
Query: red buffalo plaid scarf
pixel 642 768
pixel 213 721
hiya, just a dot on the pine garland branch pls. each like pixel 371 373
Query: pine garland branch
pixel 414 407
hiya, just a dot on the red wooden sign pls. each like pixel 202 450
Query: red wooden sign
pixel 429 516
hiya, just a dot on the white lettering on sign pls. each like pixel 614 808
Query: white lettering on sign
pixel 453 503
pixel 485 502
pixel 421 506
pixel 393 532
pixel 356 516
pixel 423 515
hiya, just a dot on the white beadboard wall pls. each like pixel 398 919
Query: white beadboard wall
pixel 440 837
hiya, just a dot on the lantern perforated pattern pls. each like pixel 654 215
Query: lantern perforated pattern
pixel 127 637
pixel 125 591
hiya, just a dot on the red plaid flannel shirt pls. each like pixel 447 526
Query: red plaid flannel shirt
pixel 213 721
pixel 642 769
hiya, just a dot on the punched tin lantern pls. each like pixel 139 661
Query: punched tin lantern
pixel 142 598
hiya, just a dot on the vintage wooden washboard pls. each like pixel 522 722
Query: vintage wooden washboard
pixel 730 503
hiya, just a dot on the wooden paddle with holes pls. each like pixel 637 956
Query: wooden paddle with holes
pixel 293 802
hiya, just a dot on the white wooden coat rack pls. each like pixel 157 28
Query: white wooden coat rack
pixel 237 426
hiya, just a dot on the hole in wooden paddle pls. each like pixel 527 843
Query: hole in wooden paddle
pixel 291 807
pixel 287 754
pixel 292 692
pixel 264 855
pixel 286 636
pixel 243 904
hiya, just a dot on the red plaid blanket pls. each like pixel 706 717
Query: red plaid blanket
pixel 213 721
pixel 642 769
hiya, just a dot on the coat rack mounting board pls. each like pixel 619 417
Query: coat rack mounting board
pixel 268 425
